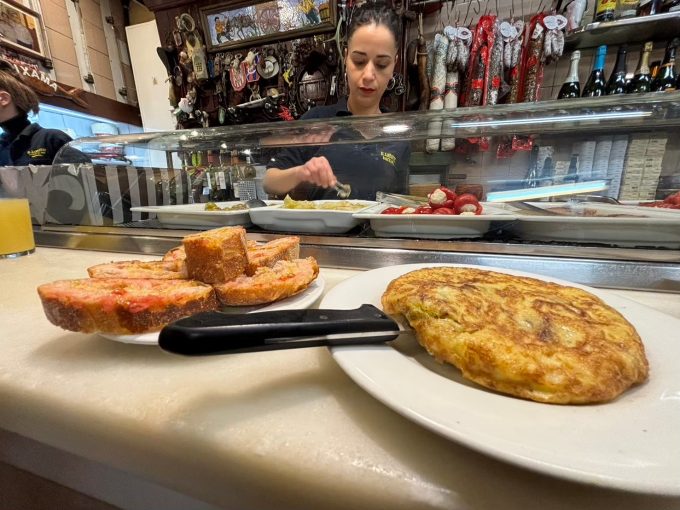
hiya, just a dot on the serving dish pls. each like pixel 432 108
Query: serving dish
pixel 317 221
pixel 432 226
pixel 618 225
pixel 629 444
pixel 195 215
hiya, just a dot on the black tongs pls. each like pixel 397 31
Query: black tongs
pixel 224 333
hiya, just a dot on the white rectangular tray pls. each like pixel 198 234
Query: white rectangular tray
pixel 317 221
pixel 642 226
pixel 195 215
pixel 432 226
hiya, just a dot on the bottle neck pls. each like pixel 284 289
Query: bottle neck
pixel 669 57
pixel 599 59
pixel 620 66
pixel 572 77
pixel 643 65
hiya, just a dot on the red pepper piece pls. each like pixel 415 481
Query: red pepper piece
pixel 393 210
pixel 444 210
pixel 442 197
pixel 467 202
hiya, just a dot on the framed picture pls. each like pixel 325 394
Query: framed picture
pixel 238 24
pixel 21 29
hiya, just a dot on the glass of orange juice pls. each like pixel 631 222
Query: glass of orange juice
pixel 16 230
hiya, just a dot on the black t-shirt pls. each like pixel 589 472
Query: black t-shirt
pixel 368 167
pixel 35 145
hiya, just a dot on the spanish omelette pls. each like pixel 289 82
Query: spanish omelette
pixel 519 335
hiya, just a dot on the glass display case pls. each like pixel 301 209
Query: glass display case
pixel 575 186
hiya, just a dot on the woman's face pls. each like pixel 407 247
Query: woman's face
pixel 371 56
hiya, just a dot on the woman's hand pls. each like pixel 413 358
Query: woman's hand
pixel 317 171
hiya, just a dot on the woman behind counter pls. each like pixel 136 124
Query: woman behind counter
pixel 23 143
pixel 311 172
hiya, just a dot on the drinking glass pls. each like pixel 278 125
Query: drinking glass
pixel 16 230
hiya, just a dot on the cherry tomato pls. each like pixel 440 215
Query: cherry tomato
pixel 443 210
pixel 393 210
pixel 467 202
pixel 424 209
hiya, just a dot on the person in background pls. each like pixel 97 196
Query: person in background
pixel 311 172
pixel 23 143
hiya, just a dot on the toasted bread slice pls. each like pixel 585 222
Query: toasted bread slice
pixel 178 257
pixel 155 270
pixel 123 306
pixel 268 284
pixel 177 254
pixel 267 254
pixel 216 256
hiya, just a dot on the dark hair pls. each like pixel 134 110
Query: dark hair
pixel 375 13
pixel 23 96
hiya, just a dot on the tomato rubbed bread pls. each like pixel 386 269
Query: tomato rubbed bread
pixel 216 256
pixel 155 270
pixel 286 278
pixel 123 306
pixel 267 254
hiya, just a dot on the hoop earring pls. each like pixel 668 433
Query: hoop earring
pixel 391 83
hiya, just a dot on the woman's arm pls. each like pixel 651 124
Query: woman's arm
pixel 316 171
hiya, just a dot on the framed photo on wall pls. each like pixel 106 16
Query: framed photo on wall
pixel 237 24
pixel 21 29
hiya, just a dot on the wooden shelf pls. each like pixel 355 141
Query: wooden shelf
pixel 660 27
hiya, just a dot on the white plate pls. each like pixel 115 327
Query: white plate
pixel 631 443
pixel 195 215
pixel 432 226
pixel 317 221
pixel 649 227
pixel 304 299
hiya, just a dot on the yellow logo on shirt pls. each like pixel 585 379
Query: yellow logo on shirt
pixel 389 158
pixel 37 153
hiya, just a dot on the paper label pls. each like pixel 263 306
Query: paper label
pixel 508 31
pixel 450 32
pixel 550 22
pixel 561 22
pixel 222 180
pixel 464 33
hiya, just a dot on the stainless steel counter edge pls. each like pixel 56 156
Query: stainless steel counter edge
pixel 651 270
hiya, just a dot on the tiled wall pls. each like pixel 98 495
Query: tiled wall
pixel 62 46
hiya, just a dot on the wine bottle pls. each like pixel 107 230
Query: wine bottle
pixel 596 83
pixel 626 9
pixel 605 11
pixel 642 81
pixel 617 81
pixel 571 87
pixel 665 76
pixel 648 7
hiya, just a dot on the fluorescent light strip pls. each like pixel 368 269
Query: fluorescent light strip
pixel 549 120
pixel 546 191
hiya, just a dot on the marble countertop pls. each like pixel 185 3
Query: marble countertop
pixel 279 429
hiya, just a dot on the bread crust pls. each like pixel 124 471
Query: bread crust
pixel 268 254
pixel 268 284
pixel 154 269
pixel 522 336
pixel 216 256
pixel 177 256
pixel 123 306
